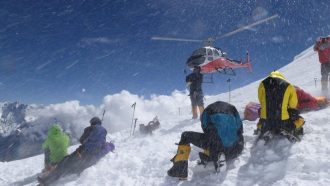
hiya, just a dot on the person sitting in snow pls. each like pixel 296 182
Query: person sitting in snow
pixel 278 113
pixel 55 146
pixel 222 135
pixel 93 147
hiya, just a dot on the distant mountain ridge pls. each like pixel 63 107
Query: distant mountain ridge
pixel 20 138
pixel 12 117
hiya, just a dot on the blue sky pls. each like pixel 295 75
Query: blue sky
pixel 55 51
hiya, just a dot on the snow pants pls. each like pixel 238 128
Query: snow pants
pixel 212 143
pixel 325 70
pixel 74 163
pixel 276 126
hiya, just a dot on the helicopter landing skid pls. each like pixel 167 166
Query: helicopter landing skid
pixel 226 71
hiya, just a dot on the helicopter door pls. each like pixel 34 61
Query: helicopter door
pixel 209 55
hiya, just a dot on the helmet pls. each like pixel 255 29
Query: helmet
pixel 95 121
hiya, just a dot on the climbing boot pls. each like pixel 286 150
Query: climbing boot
pixel 180 162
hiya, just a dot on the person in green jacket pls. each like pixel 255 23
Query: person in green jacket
pixel 55 146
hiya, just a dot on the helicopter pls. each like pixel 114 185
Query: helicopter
pixel 212 59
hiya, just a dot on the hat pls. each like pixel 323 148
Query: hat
pixel 95 121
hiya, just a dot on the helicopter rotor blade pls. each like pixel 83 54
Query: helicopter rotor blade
pixel 246 27
pixel 175 39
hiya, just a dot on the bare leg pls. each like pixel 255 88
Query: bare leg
pixel 201 109
pixel 194 111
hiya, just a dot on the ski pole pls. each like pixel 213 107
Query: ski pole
pixel 103 115
pixel 228 80
pixel 134 125
pixel 134 105
pixel 315 81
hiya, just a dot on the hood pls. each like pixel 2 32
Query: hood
pixel 277 74
pixel 55 129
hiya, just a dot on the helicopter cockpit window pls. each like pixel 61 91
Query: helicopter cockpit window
pixel 216 53
pixel 209 55
pixel 199 52
pixel 209 52
pixel 219 51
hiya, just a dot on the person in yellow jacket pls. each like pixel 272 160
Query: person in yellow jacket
pixel 278 101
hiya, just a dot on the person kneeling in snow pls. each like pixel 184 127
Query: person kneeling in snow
pixel 55 147
pixel 93 147
pixel 223 134
pixel 278 114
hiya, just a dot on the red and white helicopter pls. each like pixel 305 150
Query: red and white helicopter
pixel 212 59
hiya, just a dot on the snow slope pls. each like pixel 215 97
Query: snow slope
pixel 141 160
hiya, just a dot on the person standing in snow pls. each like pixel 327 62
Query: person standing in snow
pixel 55 146
pixel 222 135
pixel 93 147
pixel 322 46
pixel 194 81
pixel 278 101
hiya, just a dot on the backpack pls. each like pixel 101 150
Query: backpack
pixel 251 111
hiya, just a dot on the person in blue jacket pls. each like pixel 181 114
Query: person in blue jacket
pixel 93 147
pixel 222 135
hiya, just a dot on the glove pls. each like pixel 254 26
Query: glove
pixel 259 126
pixel 110 146
pixel 293 114
pixel 298 123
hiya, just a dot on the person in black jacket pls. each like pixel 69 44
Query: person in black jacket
pixel 194 81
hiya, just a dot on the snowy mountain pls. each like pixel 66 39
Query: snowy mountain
pixel 12 117
pixel 22 130
pixel 16 140
pixel 144 160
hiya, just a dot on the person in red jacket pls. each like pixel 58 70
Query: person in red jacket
pixel 305 101
pixel 322 46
